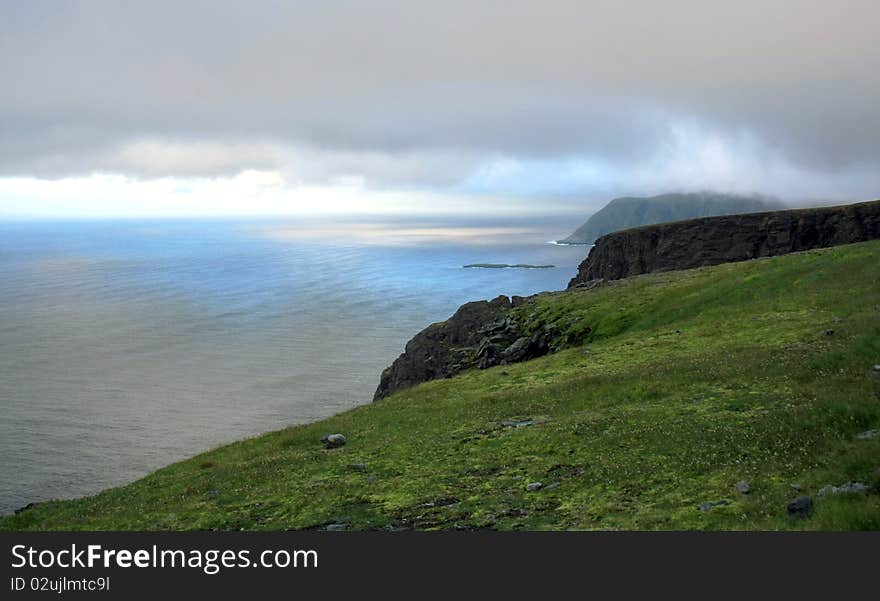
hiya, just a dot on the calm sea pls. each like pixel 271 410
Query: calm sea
pixel 127 345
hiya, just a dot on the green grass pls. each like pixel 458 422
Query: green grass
pixel 679 385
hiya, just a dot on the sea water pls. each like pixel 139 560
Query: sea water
pixel 127 345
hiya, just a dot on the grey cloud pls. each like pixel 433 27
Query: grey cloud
pixel 406 93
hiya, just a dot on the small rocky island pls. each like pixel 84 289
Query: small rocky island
pixel 505 266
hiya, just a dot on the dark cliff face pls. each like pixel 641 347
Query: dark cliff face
pixel 481 334
pixel 714 240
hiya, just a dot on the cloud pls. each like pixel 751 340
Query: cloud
pixel 561 99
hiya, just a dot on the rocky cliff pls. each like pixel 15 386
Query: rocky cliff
pixel 481 334
pixel 714 240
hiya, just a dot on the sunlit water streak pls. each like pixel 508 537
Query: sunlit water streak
pixel 125 346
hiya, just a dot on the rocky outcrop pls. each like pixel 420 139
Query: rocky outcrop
pixel 714 240
pixel 480 334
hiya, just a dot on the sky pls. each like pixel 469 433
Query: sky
pixel 131 108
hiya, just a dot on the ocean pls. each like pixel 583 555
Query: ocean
pixel 128 345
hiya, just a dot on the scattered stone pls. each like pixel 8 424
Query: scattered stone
pixel 710 504
pixel 213 493
pixel 396 526
pixel 333 441
pixel 591 284
pixel 678 331
pixel 801 507
pixel 357 467
pixel 867 434
pixel 742 487
pixel 533 486
pixel 836 319
pixel 876 367
pixel 338 527
pixel 797 487
pixel 25 508
pixel 507 423
pixel 444 502
pixel 843 489
pixel 552 485
pixel 505 372
pixel 827 332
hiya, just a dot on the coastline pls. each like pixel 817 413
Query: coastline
pixel 507 466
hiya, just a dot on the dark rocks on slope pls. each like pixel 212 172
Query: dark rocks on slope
pixel 800 507
pixel 333 441
pixel 715 240
pixel 481 334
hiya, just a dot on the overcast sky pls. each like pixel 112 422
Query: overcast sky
pixel 129 108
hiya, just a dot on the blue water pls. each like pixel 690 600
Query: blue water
pixel 128 345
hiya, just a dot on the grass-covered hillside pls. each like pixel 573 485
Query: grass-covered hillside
pixel 687 384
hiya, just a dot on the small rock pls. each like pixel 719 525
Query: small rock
pixel 591 283
pixel 336 527
pixel 213 493
pixel 876 367
pixel 852 487
pixel 705 506
pixel 25 508
pixel 357 467
pixel 827 332
pixel 801 507
pixel 710 504
pixel 742 487
pixel 507 423
pixel 843 489
pixel 796 487
pixel 533 486
pixel 333 441
pixel 867 434
pixel 836 319
pixel 678 331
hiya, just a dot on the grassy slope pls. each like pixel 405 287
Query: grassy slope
pixel 641 424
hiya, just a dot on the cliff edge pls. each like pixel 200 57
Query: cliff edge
pixel 480 334
pixel 714 240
